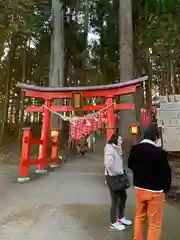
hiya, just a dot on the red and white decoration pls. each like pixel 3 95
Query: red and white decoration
pixel 145 117
pixel 85 126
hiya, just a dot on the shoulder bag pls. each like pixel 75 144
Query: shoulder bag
pixel 118 182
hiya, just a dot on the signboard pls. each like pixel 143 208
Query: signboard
pixel 168 118
pixel 77 101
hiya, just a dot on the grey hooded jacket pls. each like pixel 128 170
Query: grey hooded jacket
pixel 113 160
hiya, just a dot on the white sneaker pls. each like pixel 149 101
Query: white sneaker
pixel 125 221
pixel 117 226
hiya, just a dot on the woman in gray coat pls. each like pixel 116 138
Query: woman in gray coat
pixel 113 161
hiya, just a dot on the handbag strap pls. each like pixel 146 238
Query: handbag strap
pixel 107 171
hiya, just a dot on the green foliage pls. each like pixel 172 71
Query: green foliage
pixel 26 26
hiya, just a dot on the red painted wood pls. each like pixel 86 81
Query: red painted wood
pixel 25 153
pixel 124 106
pixel 92 93
pixel 55 149
pixel 93 108
pixel 34 109
pixel 50 95
pixel 36 141
pixel 45 134
pixel 110 126
pixel 113 92
pixel 53 108
pixel 62 108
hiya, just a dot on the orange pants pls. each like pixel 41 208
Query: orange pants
pixel 148 205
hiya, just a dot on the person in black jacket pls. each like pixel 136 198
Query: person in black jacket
pixel 152 180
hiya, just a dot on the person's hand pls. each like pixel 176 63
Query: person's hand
pixel 165 197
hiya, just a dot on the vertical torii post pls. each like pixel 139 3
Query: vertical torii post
pixel 44 137
pixel 25 155
pixel 110 117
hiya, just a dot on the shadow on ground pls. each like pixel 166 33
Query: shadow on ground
pixel 94 220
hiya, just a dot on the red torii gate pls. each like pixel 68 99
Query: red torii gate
pixel 49 94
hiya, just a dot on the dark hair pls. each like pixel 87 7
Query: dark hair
pixel 114 139
pixel 151 132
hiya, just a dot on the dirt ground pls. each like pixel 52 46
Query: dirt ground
pixel 10 155
pixel 174 160
pixel 71 202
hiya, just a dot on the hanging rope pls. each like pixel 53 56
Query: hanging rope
pixel 72 119
pixel 58 114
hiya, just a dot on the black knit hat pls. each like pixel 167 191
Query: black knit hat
pixel 151 132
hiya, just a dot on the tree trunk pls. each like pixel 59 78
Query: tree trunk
pixel 11 54
pixel 86 25
pixel 102 45
pixel 56 76
pixel 21 93
pixel 172 77
pixel 86 30
pixel 148 70
pixel 126 65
